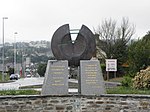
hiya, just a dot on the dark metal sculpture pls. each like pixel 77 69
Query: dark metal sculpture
pixel 63 48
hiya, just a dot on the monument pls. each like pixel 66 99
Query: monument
pixel 91 78
pixel 56 78
pixel 73 55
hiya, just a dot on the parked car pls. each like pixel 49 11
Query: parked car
pixel 14 77
pixel 18 76
pixel 28 76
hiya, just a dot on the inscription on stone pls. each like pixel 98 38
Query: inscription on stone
pixel 56 78
pixel 92 82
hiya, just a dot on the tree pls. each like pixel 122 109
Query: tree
pixel 139 54
pixel 113 39
pixel 41 69
pixel 10 70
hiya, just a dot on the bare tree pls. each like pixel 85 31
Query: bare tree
pixel 125 31
pixel 110 34
pixel 113 39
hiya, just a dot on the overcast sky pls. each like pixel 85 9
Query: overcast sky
pixel 38 19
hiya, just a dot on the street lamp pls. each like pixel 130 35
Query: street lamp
pixel 15 52
pixel 3 48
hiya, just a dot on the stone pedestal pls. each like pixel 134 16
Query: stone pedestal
pixel 56 78
pixel 91 79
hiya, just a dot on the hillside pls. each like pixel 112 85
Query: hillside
pixel 38 51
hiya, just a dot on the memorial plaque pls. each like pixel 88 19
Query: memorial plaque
pixel 91 79
pixel 56 78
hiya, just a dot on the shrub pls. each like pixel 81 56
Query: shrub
pixel 103 67
pixel 142 79
pixel 127 81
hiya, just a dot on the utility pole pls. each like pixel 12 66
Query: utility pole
pixel 3 52
pixel 15 52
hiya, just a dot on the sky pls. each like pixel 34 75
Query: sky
pixel 36 20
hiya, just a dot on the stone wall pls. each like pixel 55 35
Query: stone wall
pixel 75 103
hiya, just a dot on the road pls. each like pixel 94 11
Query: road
pixel 21 82
pixel 25 82
pixel 39 81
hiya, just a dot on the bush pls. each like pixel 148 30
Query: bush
pixel 103 68
pixel 142 79
pixel 127 81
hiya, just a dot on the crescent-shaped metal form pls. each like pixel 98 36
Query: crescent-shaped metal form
pixel 63 48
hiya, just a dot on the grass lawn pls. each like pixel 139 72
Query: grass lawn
pixel 19 92
pixel 118 79
pixel 116 90
pixel 127 90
